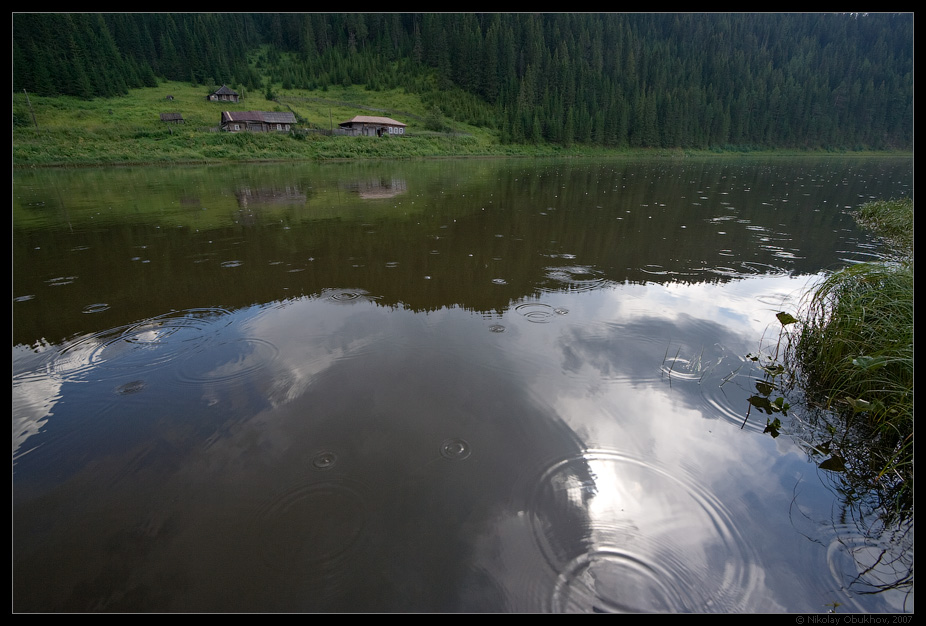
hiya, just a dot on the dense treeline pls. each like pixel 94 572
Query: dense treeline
pixel 624 80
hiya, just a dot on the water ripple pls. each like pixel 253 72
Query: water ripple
pixel 228 361
pixel 96 308
pixel 578 278
pixel 627 536
pixel 136 347
pixel 60 281
pixel 324 460
pixel 860 562
pixel 346 296
pixel 538 312
pixel 310 529
pixel 455 449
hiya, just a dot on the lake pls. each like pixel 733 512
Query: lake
pixel 430 386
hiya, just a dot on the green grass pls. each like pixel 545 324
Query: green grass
pixel 67 132
pixel 893 220
pixel 127 130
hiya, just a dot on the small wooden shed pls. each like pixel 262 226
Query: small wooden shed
pixel 173 118
pixel 372 126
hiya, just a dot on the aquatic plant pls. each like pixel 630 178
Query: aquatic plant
pixel 854 357
pixel 846 365
pixel 855 353
pixel 849 357
pixel 771 388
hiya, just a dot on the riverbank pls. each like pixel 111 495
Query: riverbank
pixel 115 147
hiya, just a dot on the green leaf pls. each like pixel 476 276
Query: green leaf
pixel 761 403
pixel 833 464
pixel 764 387
pixel 774 370
pixel 786 318
pixel 772 427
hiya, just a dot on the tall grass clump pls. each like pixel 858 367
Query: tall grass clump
pixel 893 220
pixel 855 355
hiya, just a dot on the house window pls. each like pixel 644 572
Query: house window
pixel 237 127
pixel 279 127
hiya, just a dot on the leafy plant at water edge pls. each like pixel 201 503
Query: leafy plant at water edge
pixel 851 359
pixel 854 421
pixel 854 358
pixel 771 383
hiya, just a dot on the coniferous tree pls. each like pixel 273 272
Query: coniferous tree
pixel 703 80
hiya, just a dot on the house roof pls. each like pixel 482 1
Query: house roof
pixel 171 117
pixel 267 117
pixel 225 91
pixel 278 117
pixel 370 119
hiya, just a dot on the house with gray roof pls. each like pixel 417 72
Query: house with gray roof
pixel 372 126
pixel 223 94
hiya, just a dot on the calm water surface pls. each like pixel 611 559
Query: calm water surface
pixel 442 386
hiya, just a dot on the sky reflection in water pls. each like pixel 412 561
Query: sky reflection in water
pixel 367 445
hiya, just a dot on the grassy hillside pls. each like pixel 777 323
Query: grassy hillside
pixel 127 130
pixel 64 131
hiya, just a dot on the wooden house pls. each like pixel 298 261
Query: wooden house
pixel 257 121
pixel 372 126
pixel 223 94
pixel 174 118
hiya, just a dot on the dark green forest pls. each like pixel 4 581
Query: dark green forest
pixel 689 80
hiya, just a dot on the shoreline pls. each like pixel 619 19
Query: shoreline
pixel 514 154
